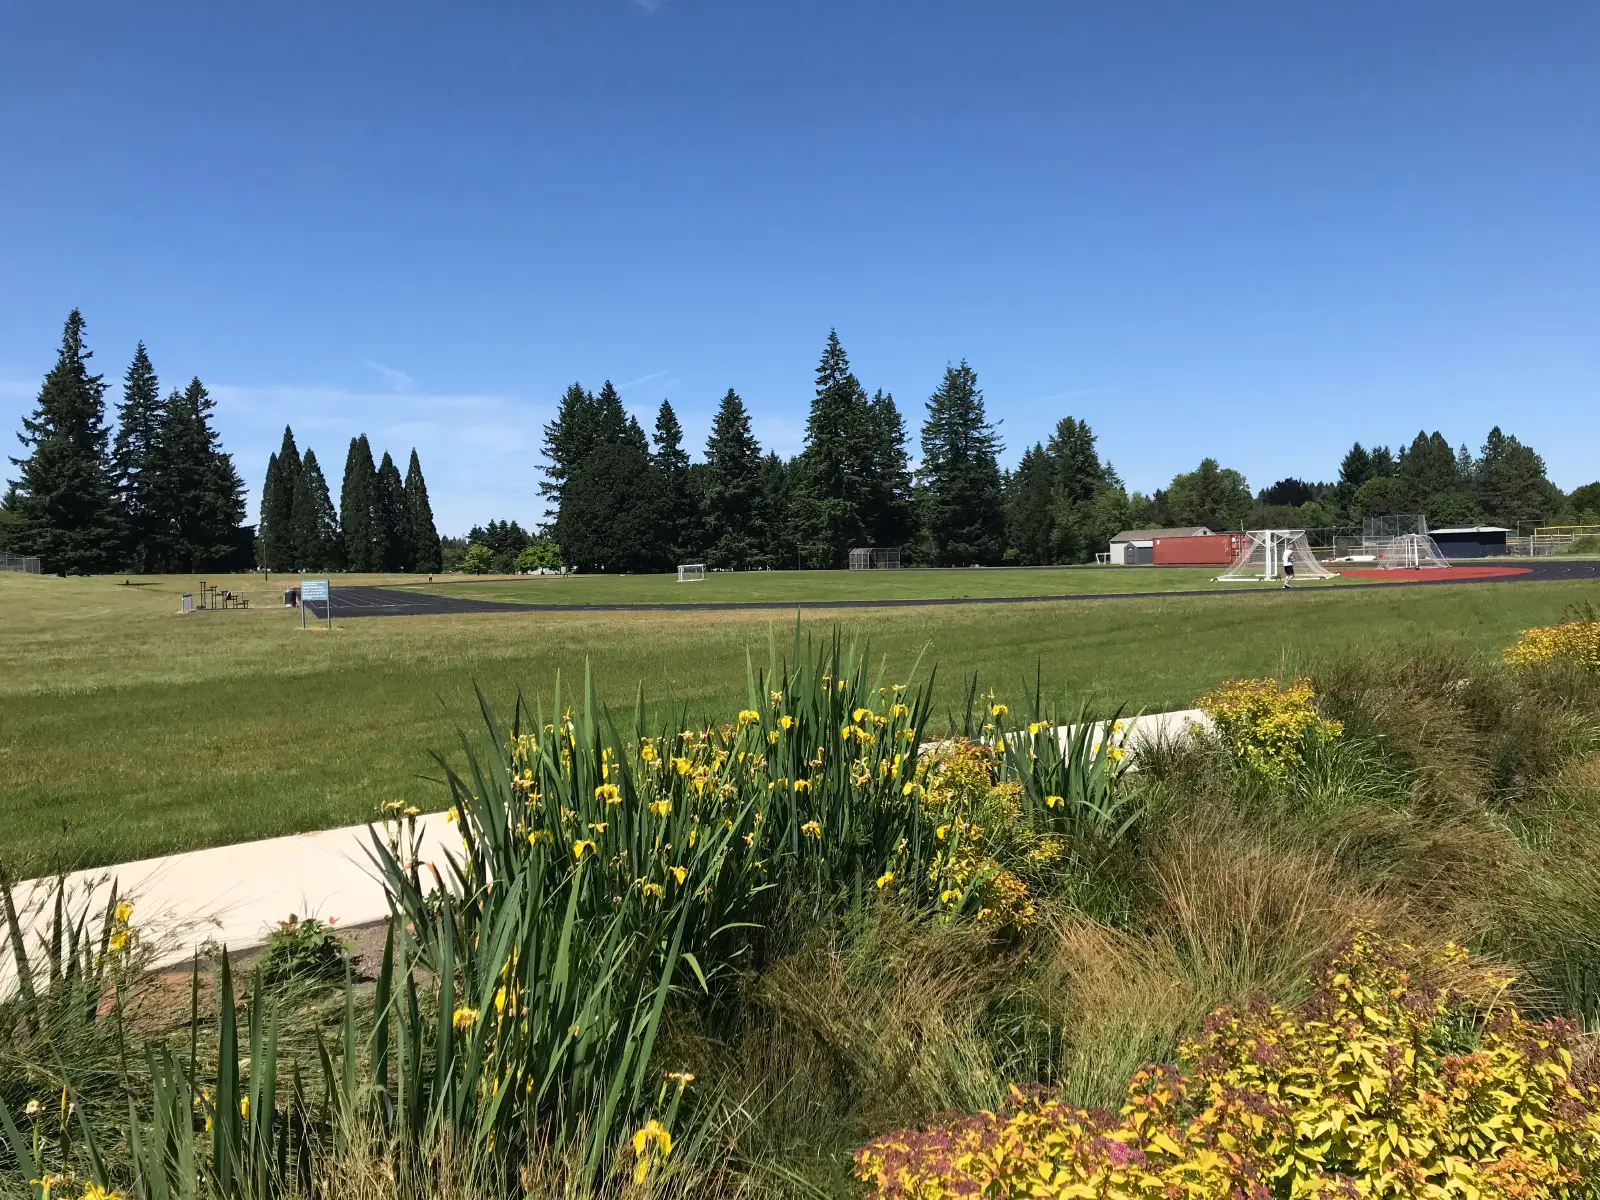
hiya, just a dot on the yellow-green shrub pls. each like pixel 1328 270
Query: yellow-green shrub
pixel 1388 1082
pixel 1268 726
pixel 1576 642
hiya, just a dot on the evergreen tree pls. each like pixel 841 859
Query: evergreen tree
pixel 833 483
pixel 1211 495
pixel 610 511
pixel 612 422
pixel 1511 482
pixel 733 488
pixel 63 505
pixel 963 513
pixel 317 546
pixel 1355 470
pixel 422 536
pixel 568 439
pixel 389 518
pixel 197 490
pixel 270 485
pixel 277 537
pixel 1077 477
pixel 1029 501
pixel 137 443
pixel 358 501
pixel 776 529
pixel 890 506
pixel 671 463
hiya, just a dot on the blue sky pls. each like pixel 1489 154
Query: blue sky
pixel 1257 231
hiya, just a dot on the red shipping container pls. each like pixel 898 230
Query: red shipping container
pixel 1206 550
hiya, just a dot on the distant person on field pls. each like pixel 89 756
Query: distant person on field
pixel 1288 566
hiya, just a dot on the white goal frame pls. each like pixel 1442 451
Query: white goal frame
pixel 691 572
pixel 1262 560
pixel 1411 552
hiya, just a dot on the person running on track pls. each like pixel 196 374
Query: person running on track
pixel 1288 566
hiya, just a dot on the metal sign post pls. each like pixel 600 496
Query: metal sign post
pixel 315 589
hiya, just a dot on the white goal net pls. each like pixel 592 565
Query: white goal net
pixel 1269 552
pixel 691 572
pixel 1410 551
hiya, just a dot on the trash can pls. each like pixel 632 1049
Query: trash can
pixel 291 597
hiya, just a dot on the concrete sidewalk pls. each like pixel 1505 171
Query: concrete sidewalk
pixel 234 895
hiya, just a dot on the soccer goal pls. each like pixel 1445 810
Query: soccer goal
pixel 1410 551
pixel 1269 549
pixel 875 558
pixel 691 572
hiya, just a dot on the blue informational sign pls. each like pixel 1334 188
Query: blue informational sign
pixel 313 589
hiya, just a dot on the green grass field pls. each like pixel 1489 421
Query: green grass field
pixel 128 730
pixel 726 587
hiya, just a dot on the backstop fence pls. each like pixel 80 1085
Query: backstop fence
pixel 19 562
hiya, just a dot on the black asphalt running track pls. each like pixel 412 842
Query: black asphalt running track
pixel 401 602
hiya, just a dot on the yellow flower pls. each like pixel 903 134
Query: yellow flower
pixel 998 710
pixel 811 829
pixel 684 1078
pixel 539 835
pixel 1037 727
pixel 452 814
pixel 682 764
pixel 661 808
pixel 412 811
pixel 747 715
pixel 464 1018
pixel 787 722
pixel 500 999
pixel 1053 801
pixel 654 1134
pixel 647 751
pixel 899 710
pixel 579 847
pixel 608 792
pixel 653 889
pixel 244 1107
pixel 93 1191
pixel 885 879
pixel 678 873
pixel 802 785
pixel 119 940
pixel 123 912
pixel 949 896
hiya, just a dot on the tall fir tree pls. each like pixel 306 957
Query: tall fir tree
pixel 671 462
pixel 832 478
pixel 389 518
pixel 316 525
pixel 422 535
pixel 568 440
pixel 1077 477
pixel 270 484
pixel 276 536
pixel 777 533
pixel 963 513
pixel 1511 483
pixel 137 444
pixel 1029 502
pixel 198 490
pixel 890 508
pixel 63 506
pixel 733 488
pixel 610 517
pixel 357 504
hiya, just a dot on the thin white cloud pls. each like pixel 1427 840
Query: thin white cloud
pixel 649 6
pixel 398 380
pixel 643 379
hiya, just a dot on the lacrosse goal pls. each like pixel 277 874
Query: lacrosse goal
pixel 1410 551
pixel 691 572
pixel 1263 559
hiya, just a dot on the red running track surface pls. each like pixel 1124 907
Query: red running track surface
pixel 1440 574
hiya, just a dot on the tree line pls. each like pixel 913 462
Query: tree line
pixel 624 501
pixel 158 495
pixel 383 523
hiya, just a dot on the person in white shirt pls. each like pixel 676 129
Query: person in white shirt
pixel 1288 567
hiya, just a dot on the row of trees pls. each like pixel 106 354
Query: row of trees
pixel 159 495
pixel 625 501
pixel 383 523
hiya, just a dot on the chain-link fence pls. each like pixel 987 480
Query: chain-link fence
pixel 19 562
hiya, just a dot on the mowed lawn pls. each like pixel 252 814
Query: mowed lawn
pixel 749 587
pixel 128 730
